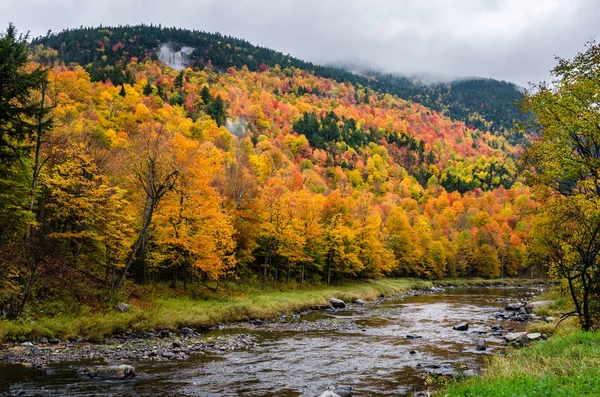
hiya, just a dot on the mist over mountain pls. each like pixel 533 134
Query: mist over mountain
pixel 485 104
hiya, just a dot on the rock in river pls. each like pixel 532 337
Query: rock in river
pixel 329 393
pixel 413 336
pixel 339 391
pixel 461 327
pixel 481 345
pixel 517 339
pixel 534 336
pixel 337 303
pixel 514 306
pixel 108 372
pixel 343 391
pixel 531 306
pixel 185 331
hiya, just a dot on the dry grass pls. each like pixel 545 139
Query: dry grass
pixel 159 307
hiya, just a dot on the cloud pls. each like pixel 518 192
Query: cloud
pixel 513 40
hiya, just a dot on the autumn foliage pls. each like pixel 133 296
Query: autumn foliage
pixel 276 175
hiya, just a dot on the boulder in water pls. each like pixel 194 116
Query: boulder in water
pixel 513 307
pixel 108 372
pixel 531 306
pixel 329 393
pixel 343 391
pixel 185 331
pixel 337 303
pixel 461 327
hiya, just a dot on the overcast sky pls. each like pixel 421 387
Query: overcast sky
pixel 513 40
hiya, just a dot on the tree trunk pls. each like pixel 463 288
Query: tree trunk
pixel 141 240
pixel 37 166
pixel 329 259
pixel 174 279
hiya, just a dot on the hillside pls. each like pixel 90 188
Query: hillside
pixel 274 174
pixel 485 104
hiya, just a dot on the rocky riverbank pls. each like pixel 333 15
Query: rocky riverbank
pixel 166 345
pixel 152 346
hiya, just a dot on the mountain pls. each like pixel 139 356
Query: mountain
pixel 485 104
pixel 234 169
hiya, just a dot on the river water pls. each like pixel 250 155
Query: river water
pixel 363 347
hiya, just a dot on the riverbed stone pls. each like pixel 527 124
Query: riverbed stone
pixel 329 393
pixel 409 336
pixel 534 336
pixel 531 306
pixel 54 341
pixel 444 370
pixel 185 331
pixel 469 373
pixel 517 339
pixel 461 327
pixel 359 301
pixel 480 345
pixel 165 333
pixel 108 372
pixel 514 306
pixel 343 391
pixel 337 303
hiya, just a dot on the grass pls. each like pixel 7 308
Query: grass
pixel 158 307
pixel 563 304
pixel 561 366
pixel 568 364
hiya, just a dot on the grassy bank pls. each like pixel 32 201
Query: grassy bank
pixel 562 366
pixel 568 364
pixel 162 308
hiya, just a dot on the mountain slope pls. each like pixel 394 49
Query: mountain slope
pixel 485 104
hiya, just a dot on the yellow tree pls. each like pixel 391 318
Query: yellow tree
pixel 154 164
pixel 193 234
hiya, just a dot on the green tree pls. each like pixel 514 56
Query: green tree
pixel 216 110
pixel 17 112
pixel 564 162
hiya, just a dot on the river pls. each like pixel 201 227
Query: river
pixel 365 347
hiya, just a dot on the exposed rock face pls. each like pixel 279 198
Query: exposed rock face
pixel 337 303
pixel 109 372
pixel 177 60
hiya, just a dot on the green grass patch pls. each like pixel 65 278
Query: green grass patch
pixel 160 307
pixel 561 366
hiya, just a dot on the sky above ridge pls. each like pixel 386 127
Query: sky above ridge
pixel 513 40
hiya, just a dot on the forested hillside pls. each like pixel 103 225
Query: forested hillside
pixel 485 104
pixel 254 172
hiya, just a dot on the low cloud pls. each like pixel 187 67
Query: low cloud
pixel 505 39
